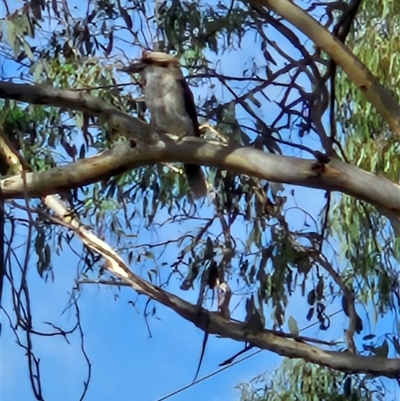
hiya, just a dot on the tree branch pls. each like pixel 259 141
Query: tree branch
pixel 378 95
pixel 265 339
pixel 147 148
pixel 76 100
pixel 332 176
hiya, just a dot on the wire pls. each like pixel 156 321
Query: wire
pixel 179 390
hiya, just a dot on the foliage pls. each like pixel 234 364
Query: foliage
pixel 367 142
pixel 257 82
pixel 317 384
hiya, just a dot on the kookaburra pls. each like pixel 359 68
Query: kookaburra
pixel 171 105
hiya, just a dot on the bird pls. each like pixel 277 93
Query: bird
pixel 171 105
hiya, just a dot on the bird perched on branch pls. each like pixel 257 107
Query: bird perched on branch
pixel 171 105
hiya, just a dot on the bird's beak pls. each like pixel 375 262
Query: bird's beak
pixel 136 66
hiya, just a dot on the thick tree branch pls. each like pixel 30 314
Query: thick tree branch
pixel 378 95
pixel 265 339
pixel 333 176
pixel 76 100
pixel 343 361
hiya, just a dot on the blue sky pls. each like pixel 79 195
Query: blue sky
pixel 125 360
pixel 126 363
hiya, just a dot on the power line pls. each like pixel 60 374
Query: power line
pixel 179 390
pixel 208 376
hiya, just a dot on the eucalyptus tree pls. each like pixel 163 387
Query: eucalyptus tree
pixel 299 119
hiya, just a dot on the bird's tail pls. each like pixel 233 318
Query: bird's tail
pixel 196 180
